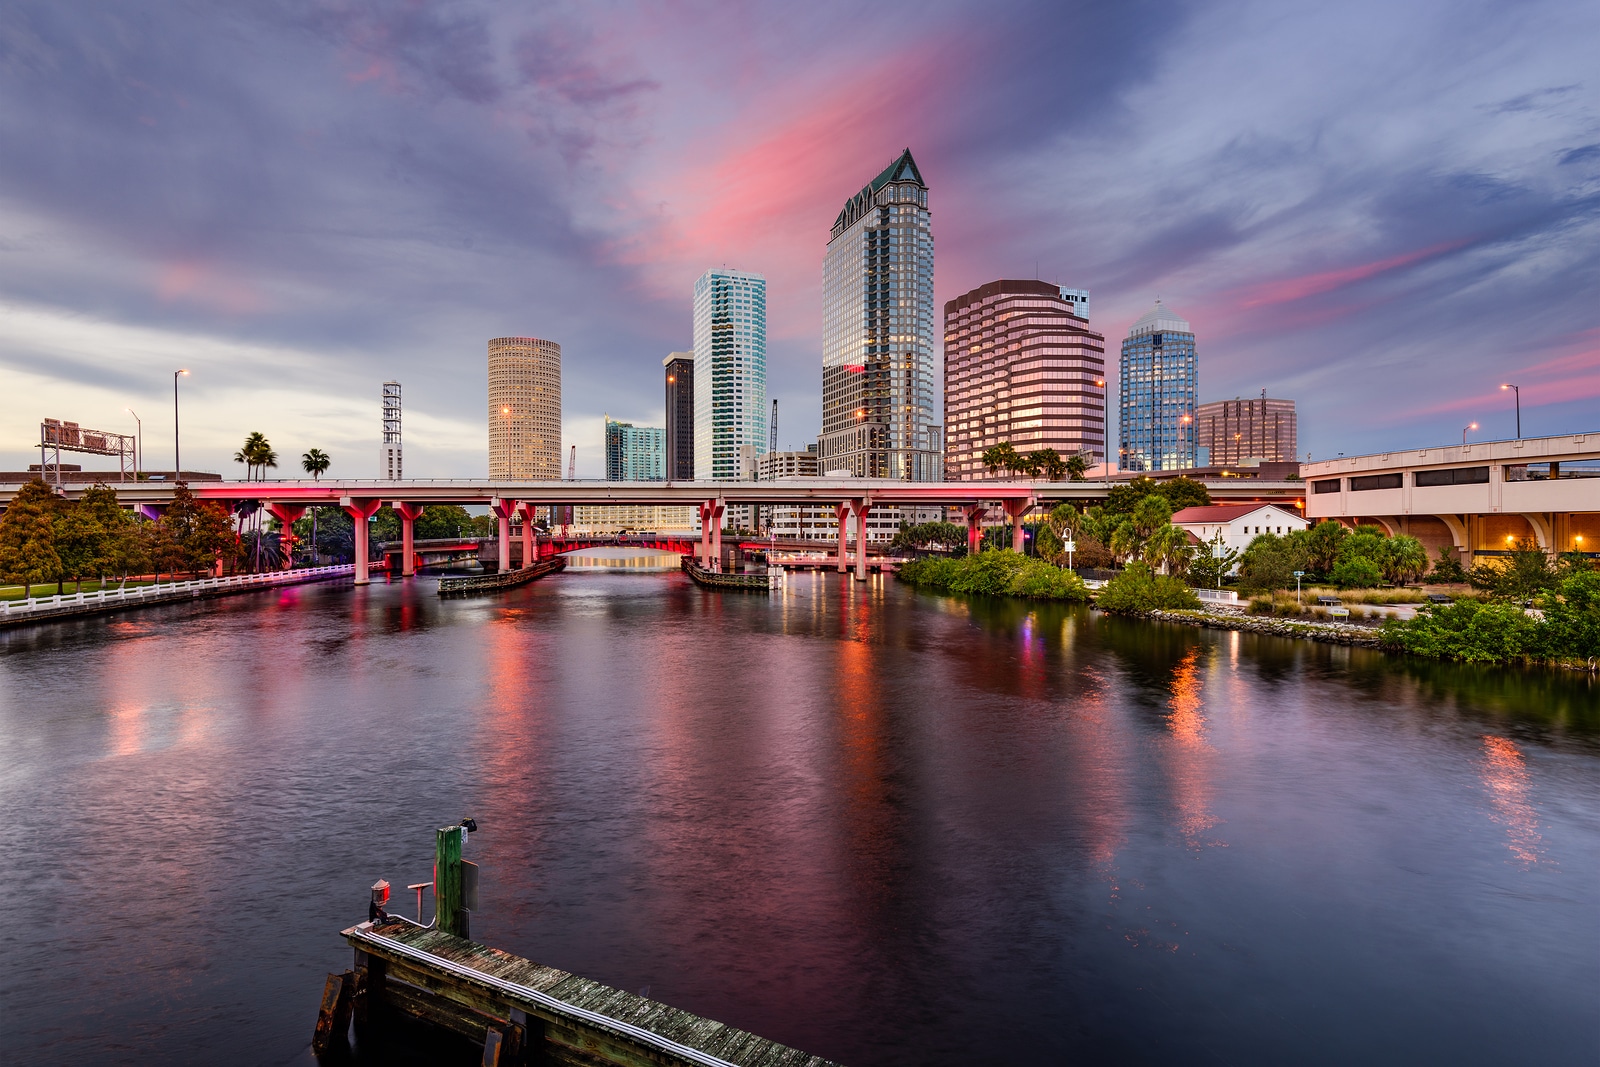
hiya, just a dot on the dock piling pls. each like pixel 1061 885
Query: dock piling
pixel 447 878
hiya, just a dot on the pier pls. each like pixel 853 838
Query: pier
pixel 472 584
pixel 761 581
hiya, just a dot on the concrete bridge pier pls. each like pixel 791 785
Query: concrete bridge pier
pixel 503 510
pixel 360 509
pixel 718 510
pixel 861 509
pixel 408 535
pixel 286 514
pixel 974 516
pixel 841 513
pixel 528 557
pixel 1015 510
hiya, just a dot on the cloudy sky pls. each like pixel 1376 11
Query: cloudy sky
pixel 1380 210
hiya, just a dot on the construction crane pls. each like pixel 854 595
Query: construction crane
pixel 572 464
pixel 772 429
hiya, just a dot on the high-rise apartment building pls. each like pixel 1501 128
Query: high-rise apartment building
pixel 1159 389
pixel 391 463
pixel 882 409
pixel 1020 367
pixel 635 453
pixel 679 373
pixel 730 370
pixel 1236 432
pixel 524 409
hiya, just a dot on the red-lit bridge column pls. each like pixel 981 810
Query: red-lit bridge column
pixel 286 514
pixel 409 513
pixel 528 557
pixel 1015 510
pixel 974 515
pixel 360 509
pixel 716 535
pixel 502 510
pixel 841 513
pixel 862 507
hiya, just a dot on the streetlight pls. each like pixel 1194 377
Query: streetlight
pixel 177 462
pixel 1464 431
pixel 138 452
pixel 1518 393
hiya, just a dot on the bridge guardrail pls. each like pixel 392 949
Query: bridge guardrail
pixel 60 603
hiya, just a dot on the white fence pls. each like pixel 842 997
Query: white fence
pixel 73 603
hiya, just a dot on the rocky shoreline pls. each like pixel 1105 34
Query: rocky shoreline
pixel 1331 633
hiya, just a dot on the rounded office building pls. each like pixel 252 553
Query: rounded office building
pixel 524 409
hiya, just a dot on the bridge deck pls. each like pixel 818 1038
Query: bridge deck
pixel 583 1021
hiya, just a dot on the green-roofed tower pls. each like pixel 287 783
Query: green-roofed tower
pixel 882 401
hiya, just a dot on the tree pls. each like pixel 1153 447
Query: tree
pixel 1184 493
pixel 27 537
pixel 1047 463
pixel 123 549
pixel 253 443
pixel 80 544
pixel 1048 545
pixel 1266 564
pixel 1213 561
pixel 1355 572
pixel 1447 570
pixel 1179 493
pixel 1521 574
pixel 1168 549
pixel 1404 559
pixel 1322 546
pixel 1077 467
pixel 315 463
pixel 192 536
pixel 1001 457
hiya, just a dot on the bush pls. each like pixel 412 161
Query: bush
pixel 1473 631
pixel 1356 572
pixel 995 572
pixel 1138 589
pixel 1262 605
pixel 1572 617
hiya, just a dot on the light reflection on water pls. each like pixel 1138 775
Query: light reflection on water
pixel 883 827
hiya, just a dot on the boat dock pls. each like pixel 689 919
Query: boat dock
pixel 473 584
pixel 761 581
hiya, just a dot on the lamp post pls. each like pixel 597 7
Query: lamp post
pixel 138 452
pixel 1518 394
pixel 177 460
pixel 1465 430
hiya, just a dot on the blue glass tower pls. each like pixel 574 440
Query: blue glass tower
pixel 1160 387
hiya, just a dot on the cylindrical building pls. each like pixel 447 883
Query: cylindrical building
pixel 524 409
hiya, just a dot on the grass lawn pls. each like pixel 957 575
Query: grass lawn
pixel 14 592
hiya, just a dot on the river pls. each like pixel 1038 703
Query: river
pixel 884 827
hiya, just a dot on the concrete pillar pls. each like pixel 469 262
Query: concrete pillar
pixel 502 511
pixel 285 514
pixel 409 514
pixel 716 535
pixel 861 540
pixel 528 557
pixel 706 511
pixel 842 513
pixel 1015 510
pixel 974 515
pixel 360 509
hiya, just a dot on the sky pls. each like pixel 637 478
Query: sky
pixel 1382 211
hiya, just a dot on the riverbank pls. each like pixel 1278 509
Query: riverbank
pixel 1329 633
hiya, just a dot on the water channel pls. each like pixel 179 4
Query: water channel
pixel 883 827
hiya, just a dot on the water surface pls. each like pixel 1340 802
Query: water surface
pixel 884 827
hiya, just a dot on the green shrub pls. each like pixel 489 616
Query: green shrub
pixel 1473 631
pixel 1138 589
pixel 1572 617
pixel 1262 605
pixel 1356 572
pixel 995 572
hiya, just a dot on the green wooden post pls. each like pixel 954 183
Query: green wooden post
pixel 447 878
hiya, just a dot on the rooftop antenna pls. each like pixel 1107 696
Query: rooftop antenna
pixel 572 464
pixel 772 431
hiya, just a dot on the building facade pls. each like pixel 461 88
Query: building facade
pixel 1020 367
pixel 882 402
pixel 730 370
pixel 1240 432
pixel 678 369
pixel 391 459
pixel 524 409
pixel 1236 525
pixel 635 453
pixel 1160 385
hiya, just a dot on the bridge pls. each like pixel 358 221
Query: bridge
pixel 288 499
pixel 1477 499
pixel 432 552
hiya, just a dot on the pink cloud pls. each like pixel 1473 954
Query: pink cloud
pixel 195 282
pixel 1288 290
pixel 1574 374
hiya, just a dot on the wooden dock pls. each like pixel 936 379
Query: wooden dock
pixel 521 1012
pixel 748 581
pixel 473 584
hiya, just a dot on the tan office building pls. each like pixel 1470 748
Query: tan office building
pixel 1247 431
pixel 524 409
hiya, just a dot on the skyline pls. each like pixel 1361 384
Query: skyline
pixel 302 203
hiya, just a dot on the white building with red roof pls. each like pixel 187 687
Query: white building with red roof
pixel 1239 524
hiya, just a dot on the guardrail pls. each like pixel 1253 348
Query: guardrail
pixel 75 603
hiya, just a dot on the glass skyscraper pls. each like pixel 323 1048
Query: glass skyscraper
pixel 882 396
pixel 730 371
pixel 1160 385
pixel 635 453
pixel 679 372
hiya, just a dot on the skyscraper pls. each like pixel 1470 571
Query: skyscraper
pixel 390 458
pixel 635 453
pixel 882 403
pixel 524 409
pixel 1233 431
pixel 730 370
pixel 1160 383
pixel 1021 367
pixel 680 416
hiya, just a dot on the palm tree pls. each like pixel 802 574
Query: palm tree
pixel 1077 467
pixel 253 444
pixel 1001 457
pixel 1168 550
pixel 315 463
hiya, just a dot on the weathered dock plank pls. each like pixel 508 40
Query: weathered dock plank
pixel 479 992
